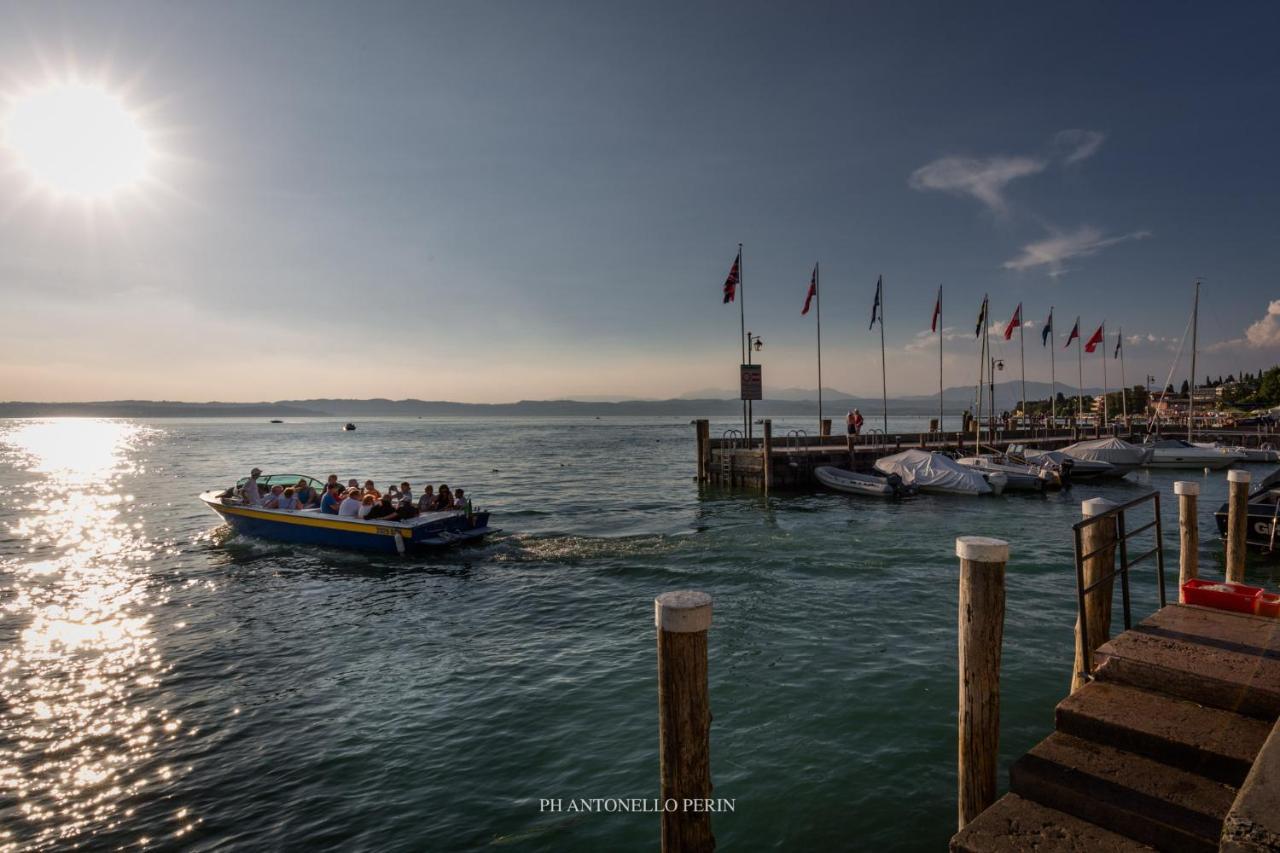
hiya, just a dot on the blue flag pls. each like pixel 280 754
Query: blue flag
pixel 877 312
pixel 1047 330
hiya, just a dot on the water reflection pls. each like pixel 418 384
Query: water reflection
pixel 79 661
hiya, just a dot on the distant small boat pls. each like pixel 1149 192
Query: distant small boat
pixel 348 427
pixel 274 421
pixel 938 473
pixel 853 483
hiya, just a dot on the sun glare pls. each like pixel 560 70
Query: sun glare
pixel 77 139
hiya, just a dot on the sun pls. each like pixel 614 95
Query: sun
pixel 76 139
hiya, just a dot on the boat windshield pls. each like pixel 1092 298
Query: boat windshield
pixel 266 482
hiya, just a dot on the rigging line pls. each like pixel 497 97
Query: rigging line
pixel 1168 380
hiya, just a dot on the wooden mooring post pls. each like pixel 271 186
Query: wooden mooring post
pixel 826 427
pixel 1099 541
pixel 1237 522
pixel 1188 532
pixel 980 637
pixel 702 429
pixel 684 719
pixel 766 457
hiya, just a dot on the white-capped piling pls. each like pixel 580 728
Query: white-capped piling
pixel 1188 532
pixel 684 719
pixel 980 636
pixel 1237 522
pixel 1098 547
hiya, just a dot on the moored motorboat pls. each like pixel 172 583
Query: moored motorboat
pixel 1176 453
pixel 348 427
pixel 1120 454
pixel 1020 475
pixel 1245 454
pixel 425 532
pixel 1068 468
pixel 1262 531
pixel 940 474
pixel 874 484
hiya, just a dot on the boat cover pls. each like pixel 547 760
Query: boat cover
pixel 926 470
pixel 1117 451
pixel 1057 457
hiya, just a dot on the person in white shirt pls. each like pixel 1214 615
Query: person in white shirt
pixel 288 501
pixel 272 499
pixel 251 494
pixel 366 504
pixel 459 499
pixel 350 506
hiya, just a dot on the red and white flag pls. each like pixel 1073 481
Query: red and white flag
pixel 1075 333
pixel 731 283
pixel 813 291
pixel 1095 340
pixel 1014 322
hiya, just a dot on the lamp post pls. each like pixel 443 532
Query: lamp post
pixel 754 343
pixel 996 364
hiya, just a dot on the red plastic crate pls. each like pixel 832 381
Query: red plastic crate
pixel 1223 595
pixel 1268 604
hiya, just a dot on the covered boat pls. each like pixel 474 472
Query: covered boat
pixel 1246 454
pixel 425 532
pixel 854 483
pixel 1021 476
pixel 1068 468
pixel 1120 454
pixel 1262 532
pixel 934 472
pixel 1176 453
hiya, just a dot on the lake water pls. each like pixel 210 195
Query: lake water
pixel 169 685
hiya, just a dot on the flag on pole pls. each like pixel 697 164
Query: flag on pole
pixel 875 306
pixel 1075 333
pixel 731 283
pixel 1119 342
pixel 813 290
pixel 1047 330
pixel 1014 322
pixel 937 311
pixel 1093 342
pixel 982 319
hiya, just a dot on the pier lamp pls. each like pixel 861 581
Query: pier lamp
pixel 754 343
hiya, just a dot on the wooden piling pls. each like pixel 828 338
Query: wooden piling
pixel 1099 540
pixel 981 635
pixel 1188 532
pixel 1237 522
pixel 702 428
pixel 684 719
pixel 826 426
pixel 766 457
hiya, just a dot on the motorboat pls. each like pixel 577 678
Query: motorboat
pixel 1021 476
pixel 1262 530
pixel 1123 456
pixel 276 421
pixel 874 484
pixel 348 427
pixel 1068 468
pixel 1246 454
pixel 1176 453
pixel 940 474
pixel 426 532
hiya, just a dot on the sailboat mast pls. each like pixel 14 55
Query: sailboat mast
pixel 884 382
pixel 1053 375
pixel 939 323
pixel 1191 390
pixel 817 295
pixel 1079 373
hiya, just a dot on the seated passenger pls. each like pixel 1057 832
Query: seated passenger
pixel 406 493
pixel 459 500
pixel 289 500
pixel 332 481
pixel 427 502
pixel 444 498
pixel 307 496
pixel 406 511
pixel 331 500
pixel 353 483
pixel 381 509
pixel 273 500
pixel 367 503
pixel 350 506
pixel 370 490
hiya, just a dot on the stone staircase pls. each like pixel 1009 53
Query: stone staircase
pixel 1152 752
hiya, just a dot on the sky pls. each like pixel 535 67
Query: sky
pixel 490 201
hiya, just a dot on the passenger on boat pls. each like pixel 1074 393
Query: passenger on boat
pixel 381 509
pixel 350 506
pixel 353 483
pixel 307 496
pixel 332 499
pixel 367 503
pixel 459 499
pixel 289 500
pixel 444 498
pixel 406 493
pixel 370 490
pixel 251 494
pixel 405 511
pixel 272 500
pixel 427 502
pixel 332 481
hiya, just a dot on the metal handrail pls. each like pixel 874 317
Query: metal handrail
pixel 1124 564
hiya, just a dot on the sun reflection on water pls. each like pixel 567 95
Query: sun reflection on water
pixel 78 663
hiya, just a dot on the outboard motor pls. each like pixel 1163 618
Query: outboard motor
pixel 1064 471
pixel 895 483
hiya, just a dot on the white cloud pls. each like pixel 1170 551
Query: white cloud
pixel 1076 145
pixel 1266 332
pixel 985 180
pixel 1053 251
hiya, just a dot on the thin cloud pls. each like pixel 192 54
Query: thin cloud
pixel 985 180
pixel 1052 252
pixel 1076 145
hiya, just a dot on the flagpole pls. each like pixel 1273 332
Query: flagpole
pixel 817 295
pixel 1080 372
pixel 884 382
pixel 1124 402
pixel 742 339
pixel 1104 374
pixel 940 400
pixel 1053 375
pixel 1022 355
pixel 982 362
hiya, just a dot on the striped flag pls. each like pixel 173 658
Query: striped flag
pixel 1047 331
pixel 731 283
pixel 1075 333
pixel 813 291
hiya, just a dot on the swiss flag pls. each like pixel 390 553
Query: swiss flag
pixel 1094 341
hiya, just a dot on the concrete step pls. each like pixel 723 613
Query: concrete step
pixel 1208 741
pixel 1223 660
pixel 1129 794
pixel 1014 824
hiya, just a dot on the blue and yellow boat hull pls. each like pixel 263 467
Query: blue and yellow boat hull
pixel 427 532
